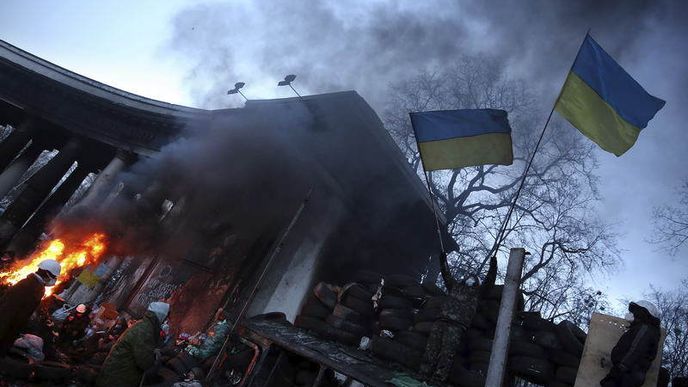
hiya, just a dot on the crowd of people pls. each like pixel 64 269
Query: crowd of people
pixel 119 351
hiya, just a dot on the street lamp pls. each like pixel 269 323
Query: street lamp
pixel 236 89
pixel 287 82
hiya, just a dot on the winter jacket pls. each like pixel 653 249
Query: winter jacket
pixel 635 351
pixel 637 348
pixel 132 354
pixel 16 307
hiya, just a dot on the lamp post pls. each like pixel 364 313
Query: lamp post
pixel 237 89
pixel 287 82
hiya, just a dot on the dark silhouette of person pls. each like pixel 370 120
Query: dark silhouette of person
pixel 20 301
pixel 456 315
pixel 637 348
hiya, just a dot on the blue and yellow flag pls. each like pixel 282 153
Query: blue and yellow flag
pixel 449 139
pixel 604 102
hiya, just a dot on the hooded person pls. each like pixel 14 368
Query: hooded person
pixel 637 348
pixel 134 353
pixel 456 315
pixel 20 301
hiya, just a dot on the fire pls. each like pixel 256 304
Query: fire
pixel 70 254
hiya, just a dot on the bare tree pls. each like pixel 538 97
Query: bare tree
pixel 671 223
pixel 673 310
pixel 555 218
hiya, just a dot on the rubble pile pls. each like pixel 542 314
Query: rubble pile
pixel 393 317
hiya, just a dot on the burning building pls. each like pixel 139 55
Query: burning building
pixel 196 206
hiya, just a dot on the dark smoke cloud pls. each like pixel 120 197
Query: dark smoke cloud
pixel 330 48
pixel 239 174
pixel 366 45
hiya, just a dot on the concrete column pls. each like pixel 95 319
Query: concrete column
pixel 23 242
pixel 12 145
pixel 105 180
pixel 35 191
pixel 11 175
pixel 117 192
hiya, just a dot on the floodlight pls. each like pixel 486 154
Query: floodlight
pixel 287 82
pixel 236 90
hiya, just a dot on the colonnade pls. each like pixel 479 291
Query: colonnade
pixel 39 197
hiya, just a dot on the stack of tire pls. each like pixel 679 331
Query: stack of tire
pixel 343 314
pixel 398 308
pixel 545 353
pixel 471 363
pixel 540 351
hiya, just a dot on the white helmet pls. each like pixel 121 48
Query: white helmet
pixel 650 307
pixel 161 310
pixel 647 305
pixel 51 266
pixel 81 308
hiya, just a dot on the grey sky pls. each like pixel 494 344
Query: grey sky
pixel 191 52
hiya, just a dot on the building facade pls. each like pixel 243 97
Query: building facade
pixel 348 199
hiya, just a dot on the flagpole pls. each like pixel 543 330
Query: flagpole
pixel 502 229
pixel 434 209
pixel 427 184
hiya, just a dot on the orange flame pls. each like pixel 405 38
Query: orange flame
pixel 70 256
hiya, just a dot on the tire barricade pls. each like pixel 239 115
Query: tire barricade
pixel 397 313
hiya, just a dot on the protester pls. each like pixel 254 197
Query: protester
pixel 456 316
pixel 136 351
pixel 20 301
pixel 203 346
pixel 74 326
pixel 636 349
pixel 41 325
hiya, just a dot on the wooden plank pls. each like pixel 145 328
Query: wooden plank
pixel 348 361
pixel 605 331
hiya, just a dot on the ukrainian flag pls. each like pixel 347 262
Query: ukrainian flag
pixel 449 139
pixel 604 102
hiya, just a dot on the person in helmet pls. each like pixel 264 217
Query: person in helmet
pixel 20 301
pixel 74 326
pixel 636 349
pixel 136 351
pixel 456 315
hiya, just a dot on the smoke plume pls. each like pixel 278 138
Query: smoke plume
pixel 240 167
pixel 366 45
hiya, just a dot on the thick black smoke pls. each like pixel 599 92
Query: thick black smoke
pixel 238 174
pixel 366 45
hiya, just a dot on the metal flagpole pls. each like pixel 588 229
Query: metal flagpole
pixel 432 201
pixel 434 209
pixel 502 229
